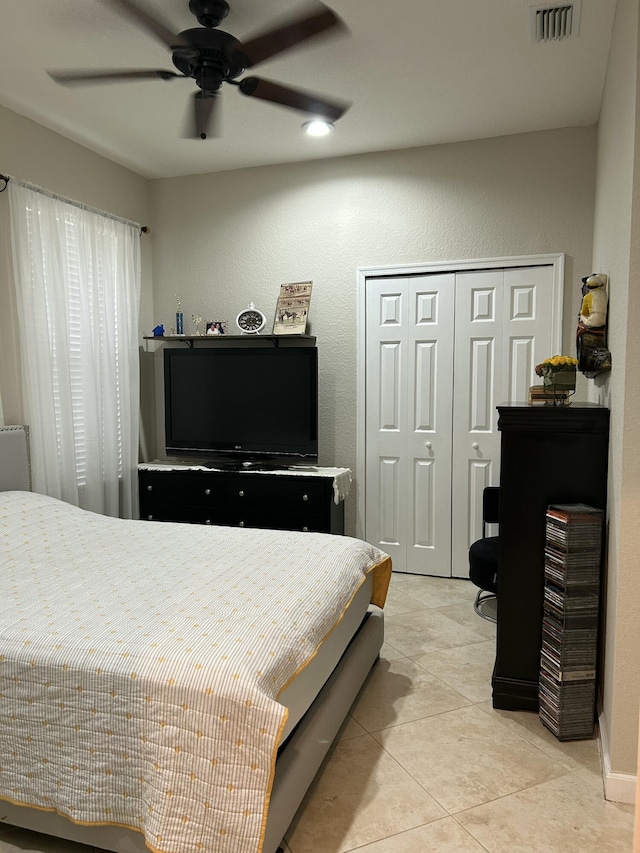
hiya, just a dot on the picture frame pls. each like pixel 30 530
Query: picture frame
pixel 216 327
pixel 292 309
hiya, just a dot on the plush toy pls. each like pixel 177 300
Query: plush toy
pixel 591 335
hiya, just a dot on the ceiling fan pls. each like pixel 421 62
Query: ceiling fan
pixel 212 57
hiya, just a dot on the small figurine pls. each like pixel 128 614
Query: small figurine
pixel 591 335
pixel 593 311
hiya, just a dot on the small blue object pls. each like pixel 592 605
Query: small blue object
pixel 158 332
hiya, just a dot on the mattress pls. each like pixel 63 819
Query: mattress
pixel 305 686
pixel 143 667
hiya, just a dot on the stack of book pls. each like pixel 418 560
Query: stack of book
pixel 570 620
pixel 541 395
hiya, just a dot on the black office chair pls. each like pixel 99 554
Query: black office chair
pixel 483 555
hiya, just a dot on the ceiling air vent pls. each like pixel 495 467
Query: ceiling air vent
pixel 555 21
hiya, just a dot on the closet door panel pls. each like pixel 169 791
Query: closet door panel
pixel 528 313
pixel 388 507
pixel 429 439
pixel 481 373
pixel 425 358
pixel 479 383
pixel 479 476
pixel 423 535
pixel 408 420
pixel 389 375
pixel 387 498
pixel 521 366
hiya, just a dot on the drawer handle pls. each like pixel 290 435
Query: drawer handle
pixel 305 529
pixel 241 524
pixel 149 488
pixel 305 497
pixel 208 521
pixel 207 491
pixel 240 494
pixel 150 518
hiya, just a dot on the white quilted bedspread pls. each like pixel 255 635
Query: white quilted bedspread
pixel 140 665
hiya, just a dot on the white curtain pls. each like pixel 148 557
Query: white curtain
pixel 77 276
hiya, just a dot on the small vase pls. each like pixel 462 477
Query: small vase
pixel 561 383
pixel 562 379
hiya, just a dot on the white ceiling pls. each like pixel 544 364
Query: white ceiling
pixel 418 72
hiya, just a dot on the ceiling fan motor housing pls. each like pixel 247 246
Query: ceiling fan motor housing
pixel 209 12
pixel 210 56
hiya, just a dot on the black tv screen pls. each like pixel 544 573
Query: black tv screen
pixel 244 403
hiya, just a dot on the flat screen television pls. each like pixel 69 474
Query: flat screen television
pixel 242 405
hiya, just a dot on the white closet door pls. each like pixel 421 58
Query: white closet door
pixel 503 329
pixel 429 436
pixel 387 312
pixel 442 351
pixel 408 420
pixel 479 385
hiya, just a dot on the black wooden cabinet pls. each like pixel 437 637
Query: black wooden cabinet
pixel 247 499
pixel 549 454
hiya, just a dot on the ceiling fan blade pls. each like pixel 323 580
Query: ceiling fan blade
pixel 148 21
pixel 203 116
pixel 296 99
pixel 79 78
pixel 290 34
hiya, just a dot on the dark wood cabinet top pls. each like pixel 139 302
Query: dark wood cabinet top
pixel 577 417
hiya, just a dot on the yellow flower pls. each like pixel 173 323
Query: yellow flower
pixel 560 362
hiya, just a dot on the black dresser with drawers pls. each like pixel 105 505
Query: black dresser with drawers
pixel 278 501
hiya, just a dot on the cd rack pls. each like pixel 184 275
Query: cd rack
pixel 573 551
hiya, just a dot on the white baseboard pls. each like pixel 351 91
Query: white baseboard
pixel 618 787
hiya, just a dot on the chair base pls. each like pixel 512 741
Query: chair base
pixel 485 605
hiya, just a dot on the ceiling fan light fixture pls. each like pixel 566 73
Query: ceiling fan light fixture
pixel 318 127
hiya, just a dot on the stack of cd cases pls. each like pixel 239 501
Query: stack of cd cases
pixel 568 658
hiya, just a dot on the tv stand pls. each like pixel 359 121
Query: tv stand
pixel 311 499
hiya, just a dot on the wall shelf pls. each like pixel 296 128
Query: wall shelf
pixel 190 340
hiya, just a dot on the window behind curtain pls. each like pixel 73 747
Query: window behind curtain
pixel 77 283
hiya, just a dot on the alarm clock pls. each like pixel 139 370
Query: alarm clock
pixel 251 321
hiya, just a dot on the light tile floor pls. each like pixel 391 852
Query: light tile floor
pixel 424 764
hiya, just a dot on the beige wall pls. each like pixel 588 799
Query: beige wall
pixel 32 153
pixel 223 240
pixel 616 251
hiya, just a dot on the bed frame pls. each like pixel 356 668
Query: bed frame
pixel 299 757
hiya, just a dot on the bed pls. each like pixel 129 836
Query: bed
pixel 168 686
